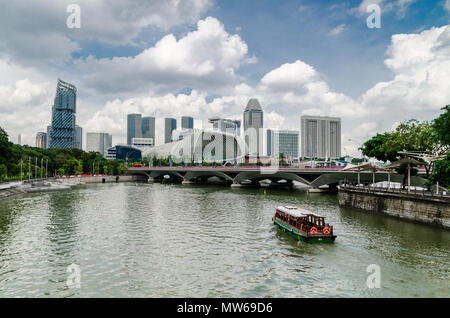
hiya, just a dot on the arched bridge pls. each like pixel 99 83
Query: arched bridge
pixel 314 177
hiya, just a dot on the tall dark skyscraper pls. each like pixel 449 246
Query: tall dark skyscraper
pixel 253 127
pixel 134 127
pixel 170 124
pixel 148 128
pixel 63 128
pixel 187 122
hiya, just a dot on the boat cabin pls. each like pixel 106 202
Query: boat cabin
pixel 301 219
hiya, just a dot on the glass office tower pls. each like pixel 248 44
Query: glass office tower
pixel 170 124
pixel 63 131
pixel 148 128
pixel 283 142
pixel 187 122
pixel 134 127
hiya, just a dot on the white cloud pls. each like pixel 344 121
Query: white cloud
pixel 290 76
pixel 337 30
pixel 37 30
pixel 24 108
pixel 205 58
pixel 399 6
pixel 447 5
pixel 421 66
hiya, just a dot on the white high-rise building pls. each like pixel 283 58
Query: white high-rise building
pixel 320 136
pixel 41 140
pixel 98 142
pixel 226 125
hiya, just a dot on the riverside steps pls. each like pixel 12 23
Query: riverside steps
pixel 52 184
pixel 421 206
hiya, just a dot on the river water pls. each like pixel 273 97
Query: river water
pixel 156 240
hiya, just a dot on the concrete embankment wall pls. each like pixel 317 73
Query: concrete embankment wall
pixel 427 210
pixel 7 190
pixel 10 189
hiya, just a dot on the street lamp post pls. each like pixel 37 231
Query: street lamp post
pixel 35 167
pixel 46 167
pixel 21 162
pixel 29 168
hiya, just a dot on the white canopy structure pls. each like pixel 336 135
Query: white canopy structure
pixel 402 162
pixel 293 211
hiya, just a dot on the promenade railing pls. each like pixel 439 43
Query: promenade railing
pixel 381 188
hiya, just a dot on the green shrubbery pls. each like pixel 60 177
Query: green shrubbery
pixel 59 161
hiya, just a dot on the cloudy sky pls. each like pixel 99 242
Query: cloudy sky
pixel 206 58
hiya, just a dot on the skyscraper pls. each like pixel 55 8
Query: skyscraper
pixel 63 131
pixel 253 126
pixel 321 136
pixel 98 142
pixel 148 127
pixel 49 129
pixel 226 125
pixel 282 142
pixel 41 140
pixel 134 127
pixel 170 124
pixel 78 143
pixel 187 122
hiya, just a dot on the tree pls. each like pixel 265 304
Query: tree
pixel 442 129
pixel 441 172
pixel 2 172
pixel 377 147
pixel 123 169
pixel 410 136
pixel 79 167
pixel 5 146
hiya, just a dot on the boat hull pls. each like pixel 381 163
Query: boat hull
pixel 303 236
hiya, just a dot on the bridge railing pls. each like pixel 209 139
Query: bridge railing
pixel 414 191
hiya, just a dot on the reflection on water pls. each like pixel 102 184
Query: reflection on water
pixel 153 240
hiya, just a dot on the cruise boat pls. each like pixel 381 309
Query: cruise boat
pixel 303 225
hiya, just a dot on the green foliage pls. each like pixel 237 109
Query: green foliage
pixel 2 172
pixel 58 161
pixel 376 147
pixel 441 172
pixel 413 136
pixel 408 136
pixel 442 128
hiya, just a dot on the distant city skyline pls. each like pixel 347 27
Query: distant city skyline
pixel 207 58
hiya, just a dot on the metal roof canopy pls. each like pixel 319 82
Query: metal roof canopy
pixel 404 161
pixel 293 211
pixel 364 167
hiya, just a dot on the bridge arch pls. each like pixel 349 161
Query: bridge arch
pixel 258 175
